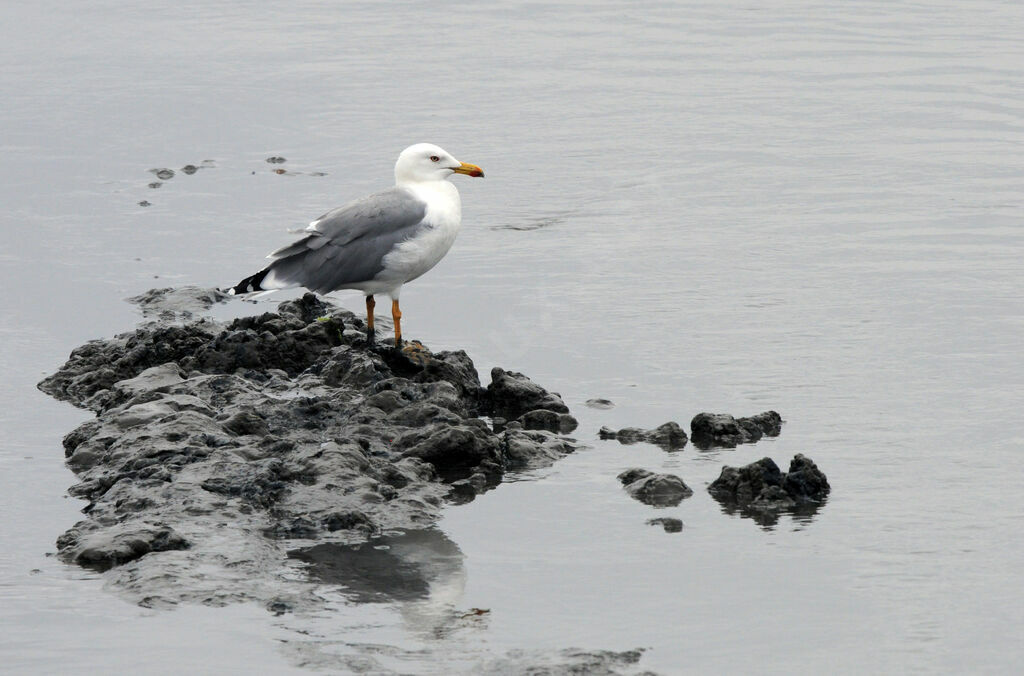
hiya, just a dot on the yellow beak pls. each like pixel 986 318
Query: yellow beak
pixel 469 170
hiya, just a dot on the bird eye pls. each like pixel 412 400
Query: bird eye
pixel 435 158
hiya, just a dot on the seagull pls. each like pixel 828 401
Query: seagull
pixel 377 243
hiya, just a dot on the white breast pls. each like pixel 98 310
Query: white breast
pixel 442 220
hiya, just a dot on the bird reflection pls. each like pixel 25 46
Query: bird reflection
pixel 421 570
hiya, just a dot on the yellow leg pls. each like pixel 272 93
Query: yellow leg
pixel 396 314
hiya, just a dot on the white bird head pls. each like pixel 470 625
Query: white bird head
pixel 427 162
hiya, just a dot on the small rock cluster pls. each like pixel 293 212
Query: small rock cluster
pixel 669 436
pixel 761 490
pixel 708 430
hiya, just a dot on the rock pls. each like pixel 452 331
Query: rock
pixel 658 490
pixel 449 447
pixel 178 303
pixel 163 174
pixel 708 430
pixel 276 160
pixel 804 481
pixel 670 524
pixel 282 425
pixel 543 419
pixel 761 489
pixel 669 436
pixel 600 404
pixel 512 394
pixel 118 544
pixel 189 169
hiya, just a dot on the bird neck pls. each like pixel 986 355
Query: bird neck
pixel 432 191
pixel 441 198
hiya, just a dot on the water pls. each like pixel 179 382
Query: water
pixel 811 207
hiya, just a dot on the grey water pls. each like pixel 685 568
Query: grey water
pixel 812 207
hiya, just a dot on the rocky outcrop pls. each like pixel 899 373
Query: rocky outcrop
pixel 216 443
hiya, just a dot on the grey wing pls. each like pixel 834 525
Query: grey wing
pixel 347 245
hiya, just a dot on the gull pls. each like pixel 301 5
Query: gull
pixel 377 243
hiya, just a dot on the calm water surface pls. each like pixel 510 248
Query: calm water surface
pixel 811 207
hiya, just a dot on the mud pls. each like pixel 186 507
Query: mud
pixel 219 448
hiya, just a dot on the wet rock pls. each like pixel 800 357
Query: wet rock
pixel 671 525
pixel 669 436
pixel 276 160
pixel 163 174
pixel 154 184
pixel 543 419
pixel 449 447
pixel 512 394
pixel 762 488
pixel 658 490
pixel 117 545
pixel 708 430
pixel 600 404
pixel 189 169
pixel 283 425
pixel 145 203
pixel 183 302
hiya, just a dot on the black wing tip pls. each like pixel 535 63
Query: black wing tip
pixel 250 284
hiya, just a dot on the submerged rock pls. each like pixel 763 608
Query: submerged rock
pixel 658 490
pixel 669 436
pixel 762 490
pixel 670 524
pixel 215 441
pixel 708 430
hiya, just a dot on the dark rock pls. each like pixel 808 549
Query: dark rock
pixel 145 203
pixel 163 174
pixel 276 160
pixel 669 436
pixel 543 419
pixel 761 489
pixel 804 481
pixel 670 524
pixel 658 490
pixel 155 184
pixel 600 404
pixel 449 447
pixel 708 430
pixel 512 394
pixel 189 169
